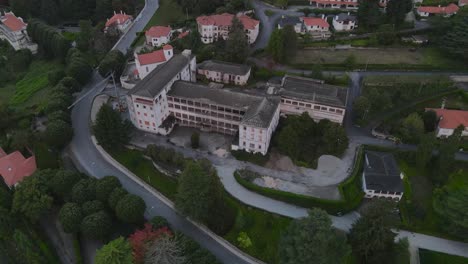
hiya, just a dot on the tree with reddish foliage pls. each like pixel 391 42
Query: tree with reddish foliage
pixel 141 238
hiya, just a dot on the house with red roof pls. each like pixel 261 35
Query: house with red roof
pixel 147 62
pixel 119 21
pixel 14 167
pixel 317 27
pixel 158 35
pixel 446 11
pixel 13 30
pixel 342 4
pixel 449 120
pixel 215 27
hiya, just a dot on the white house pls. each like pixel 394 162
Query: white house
pixel 224 72
pixel 349 4
pixel 449 120
pixel 462 3
pixel 344 22
pixel 381 176
pixel 214 27
pixel 445 11
pixel 13 30
pixel 147 62
pixel 120 21
pixel 315 24
pixel 158 35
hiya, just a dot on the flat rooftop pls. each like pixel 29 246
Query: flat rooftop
pixel 227 67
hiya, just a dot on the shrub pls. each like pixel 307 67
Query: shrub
pixel 115 196
pixel 97 225
pixel 105 186
pixel 84 190
pixel 91 207
pixel 195 140
pixel 70 217
pixel 130 209
pixel 159 221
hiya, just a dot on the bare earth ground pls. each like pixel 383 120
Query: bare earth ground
pixel 362 55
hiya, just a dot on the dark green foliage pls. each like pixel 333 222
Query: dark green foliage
pixel 6 197
pixel 412 128
pixel 313 240
pixel 165 155
pixel 369 15
pixel 386 34
pixel 55 76
pixel 159 222
pixel 237 46
pixel 304 141
pixel 62 183
pixel 451 203
pixel 455 39
pixel 7 223
pixel 361 107
pixel 58 133
pixel 105 186
pixel 21 139
pixel 96 226
pixel 85 38
pixel 77 66
pixel 84 190
pixel 112 63
pixel 430 120
pixel 59 115
pixel 397 10
pixel 50 11
pixel 49 40
pixel 70 216
pixel 283 44
pixel 425 148
pixel 110 130
pixel 115 196
pixel 91 207
pixel 446 158
pixel 130 209
pixel 198 7
pixel 32 197
pixel 370 236
pixel 195 140
pixel 194 252
pixel 27 247
pixel 200 196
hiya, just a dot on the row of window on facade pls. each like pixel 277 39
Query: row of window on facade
pixel 204 105
pixel 316 107
pixel 206 120
pixel 218 129
pixel 252 146
pixel 205 112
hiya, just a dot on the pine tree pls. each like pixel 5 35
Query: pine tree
pixel 237 45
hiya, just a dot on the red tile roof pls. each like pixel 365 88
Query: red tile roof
pixel 327 2
pixel 158 31
pixel 445 10
pixel 226 20
pixel 451 119
pixel 315 21
pixel 153 57
pixel 12 22
pixel 14 167
pixel 118 19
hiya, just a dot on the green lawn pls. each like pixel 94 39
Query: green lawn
pixel 262 227
pixel 168 13
pixel 433 257
pixel 34 80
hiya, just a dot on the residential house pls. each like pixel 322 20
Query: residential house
pixel 14 167
pixel 224 72
pixel 383 3
pixel 13 30
pixel 344 22
pixel 147 62
pixel 295 22
pixel 215 27
pixel 349 4
pixel 382 177
pixel 120 22
pixel 462 3
pixel 445 11
pixel 317 27
pixel 449 120
pixel 158 35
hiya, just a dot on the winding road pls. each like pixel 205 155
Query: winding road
pixel 88 159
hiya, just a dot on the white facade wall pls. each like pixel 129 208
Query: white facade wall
pixel 422 14
pixel 257 140
pixel 341 26
pixel 18 39
pixel 316 28
pixel 315 111
pixel 227 78
pixel 123 27
pixel 157 42
pixel 252 34
pixel 211 33
pixel 446 132
pixel 144 70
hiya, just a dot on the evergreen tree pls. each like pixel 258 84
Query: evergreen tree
pixel 118 251
pixel 455 40
pixel 397 10
pixel 369 14
pixel 237 46
pixel 110 130
pixel 50 11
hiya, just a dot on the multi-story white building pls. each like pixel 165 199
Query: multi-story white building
pixel 158 35
pixel 214 27
pixel 147 101
pixel 13 30
pixel 224 72
pixel 445 11
pixel 344 22
pixel 349 4
pixel 169 96
pixel 319 100
pixel 449 120
pixel 119 21
pixel 381 176
pixel 147 62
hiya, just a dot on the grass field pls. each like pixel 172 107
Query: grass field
pixel 433 257
pixel 429 58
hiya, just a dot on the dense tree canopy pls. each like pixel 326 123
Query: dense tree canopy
pixel 312 239
pixel 412 128
pixel 369 15
pixel 113 62
pixel 130 209
pixel 84 190
pixel 32 198
pixel 70 216
pixel 118 251
pixel 110 130
pixel 63 182
pixel 237 45
pixel 58 133
pixel 97 225
pixel 283 44
pixel 115 196
pixel 105 186
pixel 455 40
pixel 397 10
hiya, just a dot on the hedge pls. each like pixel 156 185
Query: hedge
pixel 349 189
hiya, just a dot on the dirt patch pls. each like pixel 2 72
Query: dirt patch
pixel 363 56
pixel 281 162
